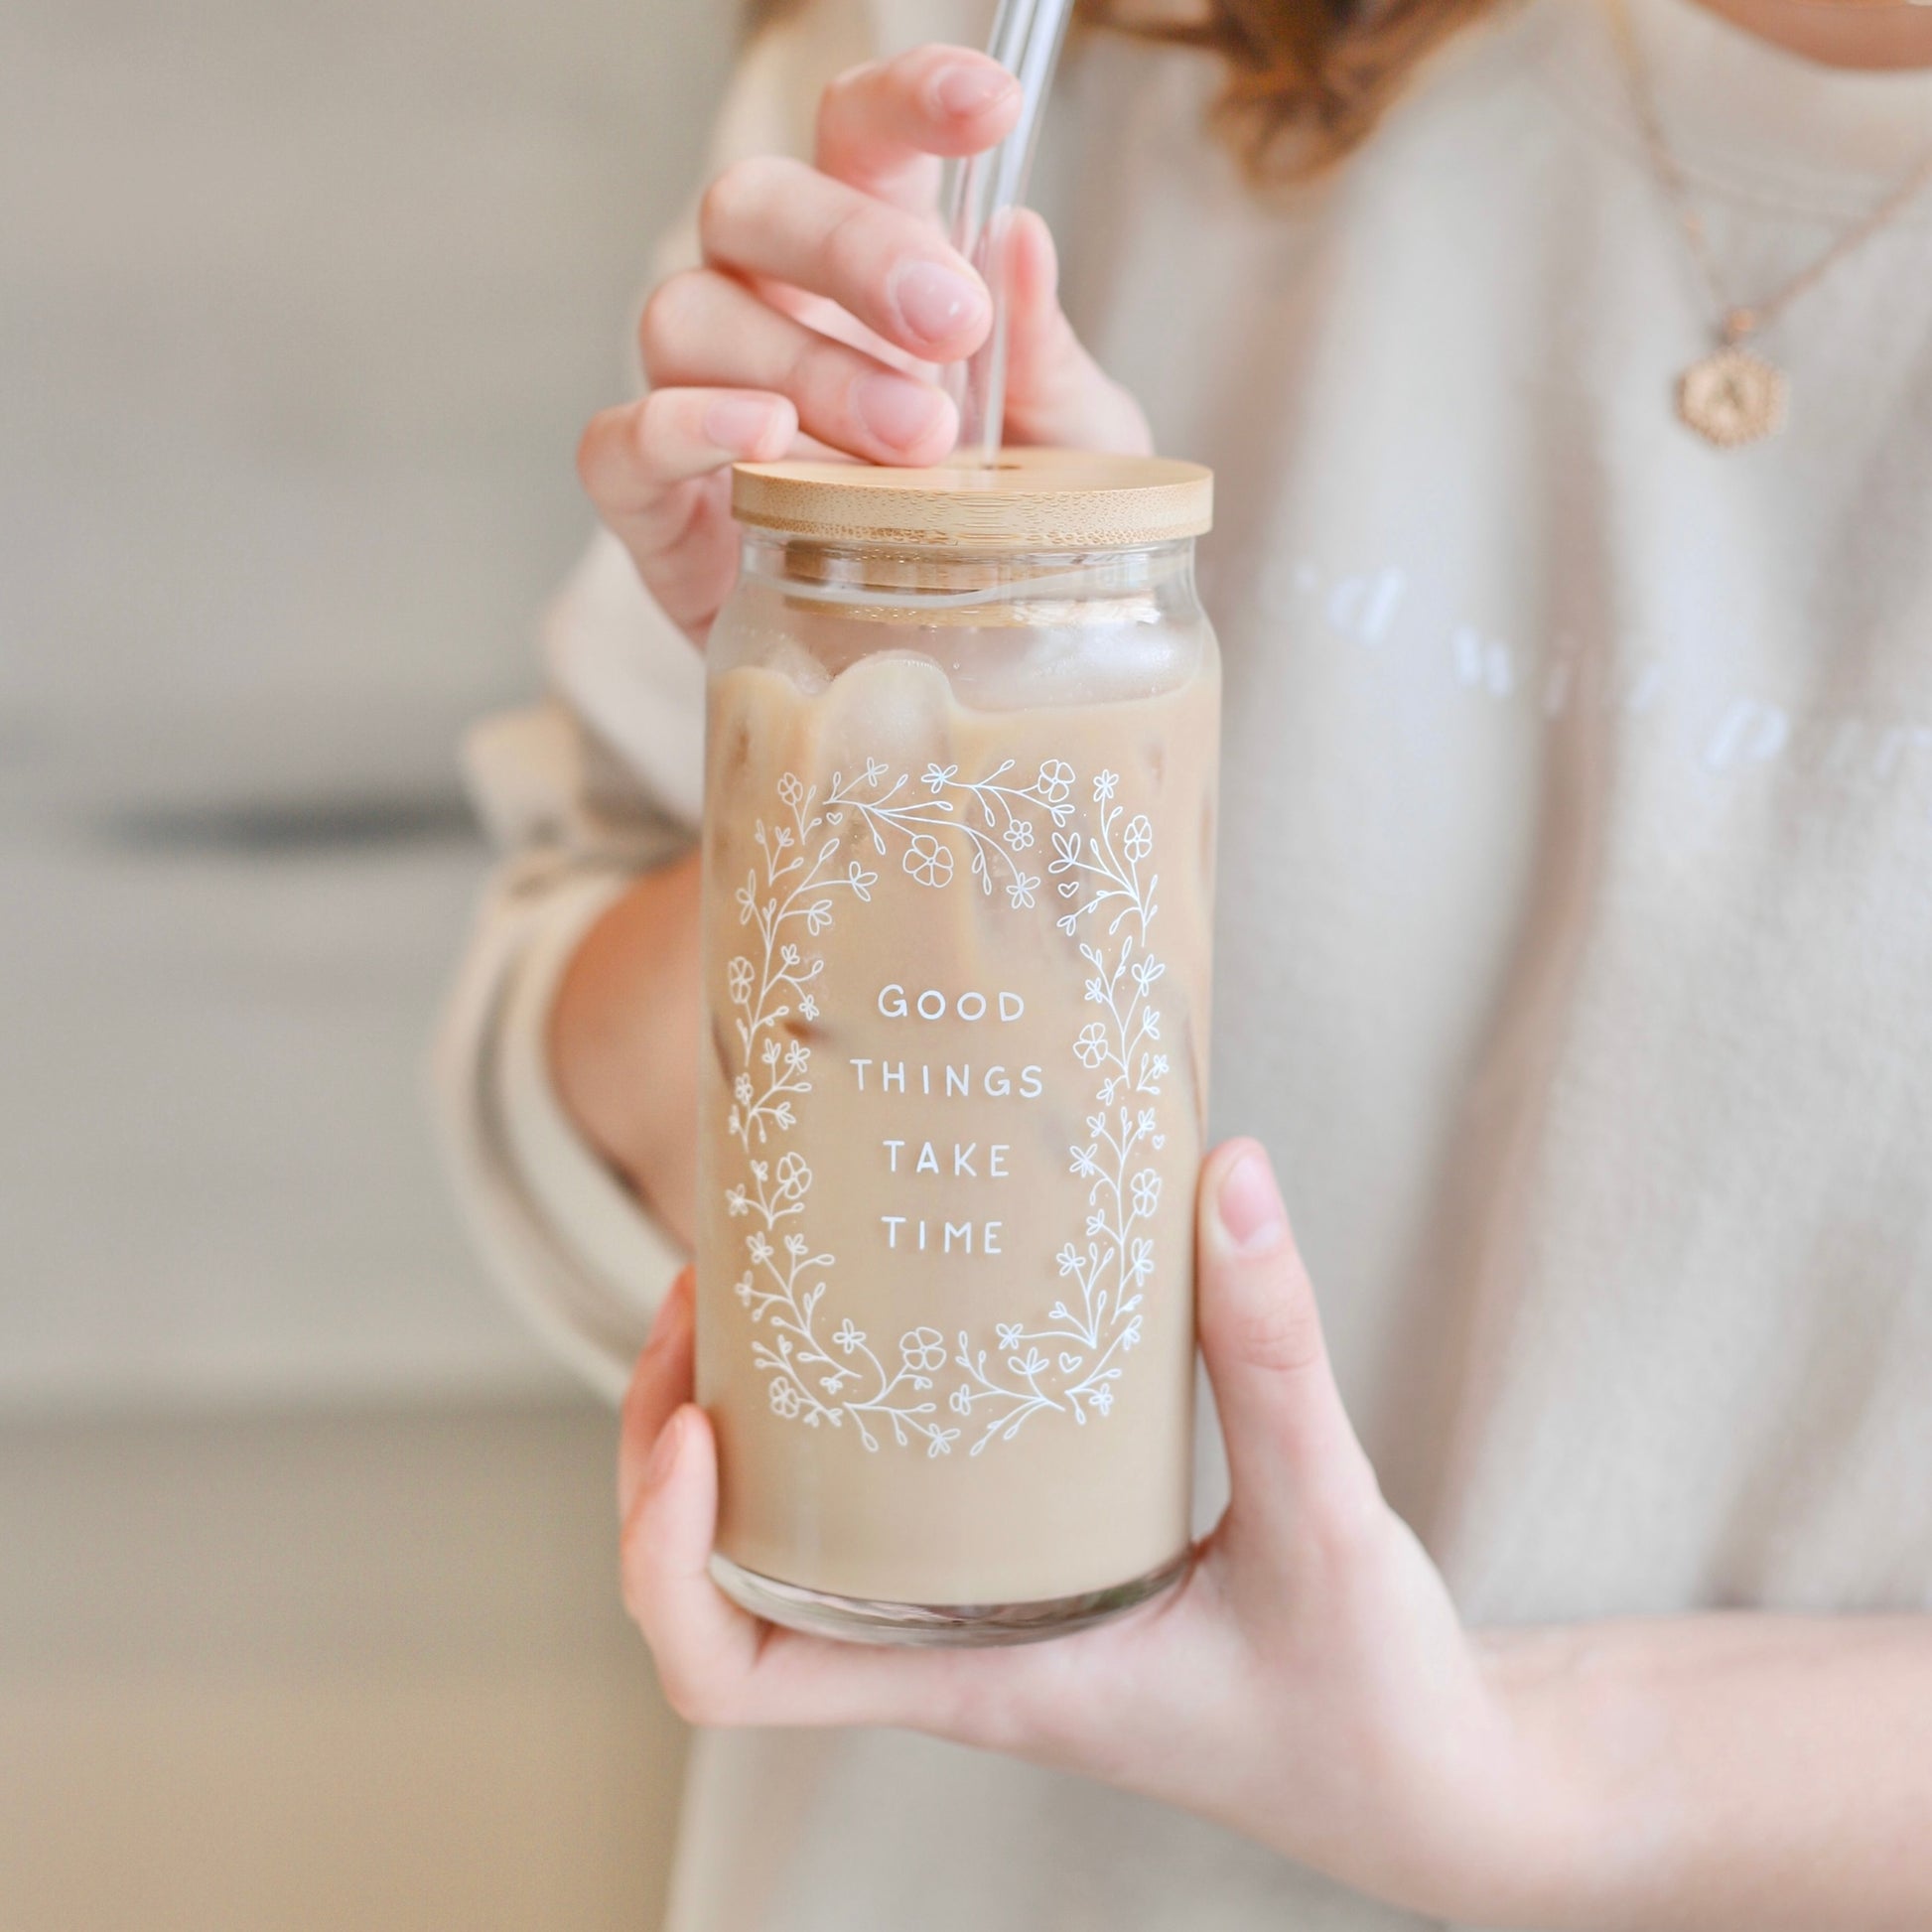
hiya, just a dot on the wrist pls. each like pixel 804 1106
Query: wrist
pixel 1480 1805
pixel 1582 1834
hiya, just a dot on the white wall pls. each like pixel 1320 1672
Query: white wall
pixel 300 306
pixel 303 1621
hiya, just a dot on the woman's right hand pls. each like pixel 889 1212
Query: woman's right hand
pixel 827 300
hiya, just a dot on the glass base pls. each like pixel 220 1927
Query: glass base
pixel 859 1619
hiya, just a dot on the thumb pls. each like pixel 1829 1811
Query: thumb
pixel 1292 1456
pixel 1057 393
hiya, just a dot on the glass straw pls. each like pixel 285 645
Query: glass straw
pixel 985 189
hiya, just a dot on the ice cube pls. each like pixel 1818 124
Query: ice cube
pixel 790 660
pixel 895 709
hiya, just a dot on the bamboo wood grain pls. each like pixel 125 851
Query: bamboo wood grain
pixel 1035 500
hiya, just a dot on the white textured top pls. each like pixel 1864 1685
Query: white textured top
pixel 1576 895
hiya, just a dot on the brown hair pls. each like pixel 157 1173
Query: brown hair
pixel 1308 80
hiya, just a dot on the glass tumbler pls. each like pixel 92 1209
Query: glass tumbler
pixel 962 743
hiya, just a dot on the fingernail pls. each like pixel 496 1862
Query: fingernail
pixel 895 410
pixel 663 1453
pixel 737 422
pixel 966 90
pixel 1248 1205
pixel 936 303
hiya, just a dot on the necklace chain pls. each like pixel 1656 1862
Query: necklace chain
pixel 1731 396
pixel 1735 321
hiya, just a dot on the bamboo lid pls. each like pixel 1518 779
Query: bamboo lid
pixel 1035 500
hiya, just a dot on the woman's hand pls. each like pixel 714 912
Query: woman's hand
pixel 1307 1682
pixel 827 298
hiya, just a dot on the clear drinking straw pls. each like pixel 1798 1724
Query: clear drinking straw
pixel 985 189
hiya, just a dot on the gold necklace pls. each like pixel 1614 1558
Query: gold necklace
pixel 1733 395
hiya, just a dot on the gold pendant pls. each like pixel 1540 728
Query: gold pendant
pixel 1731 397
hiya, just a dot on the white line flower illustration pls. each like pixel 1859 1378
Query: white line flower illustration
pixel 928 860
pixel 922 1350
pixel 1067 1361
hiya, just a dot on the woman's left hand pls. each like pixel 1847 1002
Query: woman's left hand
pixel 1307 1682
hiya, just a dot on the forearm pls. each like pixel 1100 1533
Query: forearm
pixel 1747 1771
pixel 625 1033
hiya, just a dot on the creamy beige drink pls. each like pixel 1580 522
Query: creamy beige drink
pixel 958 885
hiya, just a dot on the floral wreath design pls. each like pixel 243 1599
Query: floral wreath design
pixel 1069 1360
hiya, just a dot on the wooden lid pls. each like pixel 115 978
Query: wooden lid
pixel 1035 500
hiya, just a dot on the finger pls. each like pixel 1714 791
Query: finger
pixel 705 1646
pixel 776 218
pixel 632 459
pixel 702 328
pixel 884 126
pixel 1292 1456
pixel 1057 393
pixel 819 313
pixel 653 469
pixel 659 1382
pixel 719 1665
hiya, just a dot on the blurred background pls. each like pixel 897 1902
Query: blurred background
pixel 308 1614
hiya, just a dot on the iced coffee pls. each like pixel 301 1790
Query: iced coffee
pixel 958 870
